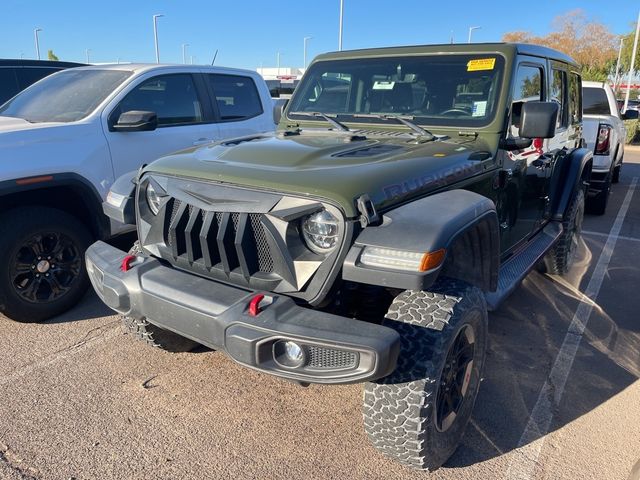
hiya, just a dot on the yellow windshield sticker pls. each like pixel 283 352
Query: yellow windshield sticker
pixel 481 64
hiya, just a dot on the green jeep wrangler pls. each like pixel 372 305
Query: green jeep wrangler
pixel 406 192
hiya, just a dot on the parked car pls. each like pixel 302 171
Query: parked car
pixel 407 191
pixel 605 134
pixel 65 139
pixel 16 75
pixel 631 105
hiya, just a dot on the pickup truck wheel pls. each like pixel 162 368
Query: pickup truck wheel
pixel 151 334
pixel 615 178
pixel 418 414
pixel 559 259
pixel 43 273
pixel 598 205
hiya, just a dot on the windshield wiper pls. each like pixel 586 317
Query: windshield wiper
pixel 416 128
pixel 326 117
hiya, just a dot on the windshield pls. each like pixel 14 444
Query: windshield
pixel 446 90
pixel 67 96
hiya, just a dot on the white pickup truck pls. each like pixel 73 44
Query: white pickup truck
pixel 64 141
pixel 604 132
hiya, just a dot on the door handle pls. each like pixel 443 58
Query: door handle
pixel 201 141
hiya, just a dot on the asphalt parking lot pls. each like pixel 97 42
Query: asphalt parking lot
pixel 560 397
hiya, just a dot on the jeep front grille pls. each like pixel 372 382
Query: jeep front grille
pixel 224 240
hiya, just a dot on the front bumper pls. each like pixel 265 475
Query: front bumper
pixel 336 349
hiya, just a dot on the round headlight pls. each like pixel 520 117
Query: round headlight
pixel 320 231
pixel 153 199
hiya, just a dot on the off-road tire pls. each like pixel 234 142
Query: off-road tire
pixel 559 259
pixel 21 229
pixel 615 178
pixel 400 409
pixel 151 334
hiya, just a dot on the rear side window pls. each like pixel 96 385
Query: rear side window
pixel 595 101
pixel 559 95
pixel 236 96
pixel 30 75
pixel 173 98
pixel 8 84
pixel 575 106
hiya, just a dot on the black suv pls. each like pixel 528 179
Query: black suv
pixel 16 75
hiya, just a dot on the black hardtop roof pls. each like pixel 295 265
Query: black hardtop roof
pixel 21 62
pixel 509 49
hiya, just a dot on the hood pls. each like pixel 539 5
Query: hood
pixel 16 132
pixel 333 166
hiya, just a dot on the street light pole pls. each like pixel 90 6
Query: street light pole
pixel 304 62
pixel 184 52
pixel 617 76
pixel 35 33
pixel 278 62
pixel 155 35
pixel 471 29
pixel 341 20
pixel 633 61
pixel 87 54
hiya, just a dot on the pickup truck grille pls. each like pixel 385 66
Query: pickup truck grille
pixel 223 240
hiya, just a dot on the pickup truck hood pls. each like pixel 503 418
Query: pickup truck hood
pixel 333 166
pixel 12 124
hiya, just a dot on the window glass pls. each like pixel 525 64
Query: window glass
pixel 575 108
pixel 527 87
pixel 67 96
pixel 236 96
pixel 595 101
pixel 8 84
pixel 451 90
pixel 30 75
pixel 559 95
pixel 173 98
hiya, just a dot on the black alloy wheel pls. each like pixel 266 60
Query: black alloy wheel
pixel 45 267
pixel 455 378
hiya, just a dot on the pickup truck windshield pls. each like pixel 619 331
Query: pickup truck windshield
pixel 67 96
pixel 442 90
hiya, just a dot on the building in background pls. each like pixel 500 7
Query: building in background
pixel 281 80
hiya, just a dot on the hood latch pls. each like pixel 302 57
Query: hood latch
pixel 368 214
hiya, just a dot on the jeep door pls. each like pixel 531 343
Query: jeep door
pixel 185 119
pixel 524 172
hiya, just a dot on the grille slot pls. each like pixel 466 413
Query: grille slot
pixel 322 358
pixel 227 241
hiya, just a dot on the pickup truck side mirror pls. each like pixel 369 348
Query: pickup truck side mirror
pixel 539 119
pixel 630 114
pixel 136 121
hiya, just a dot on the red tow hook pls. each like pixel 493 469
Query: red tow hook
pixel 128 263
pixel 254 304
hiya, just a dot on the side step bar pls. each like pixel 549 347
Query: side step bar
pixel 513 271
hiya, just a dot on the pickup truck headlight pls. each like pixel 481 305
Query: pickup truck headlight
pixel 320 232
pixel 153 198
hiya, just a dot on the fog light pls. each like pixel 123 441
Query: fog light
pixel 289 354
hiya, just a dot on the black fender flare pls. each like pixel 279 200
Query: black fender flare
pixel 572 171
pixel 461 222
pixel 38 184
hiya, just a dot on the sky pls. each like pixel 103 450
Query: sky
pixel 250 33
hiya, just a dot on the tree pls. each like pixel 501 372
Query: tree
pixel 589 43
pixel 52 56
pixel 627 50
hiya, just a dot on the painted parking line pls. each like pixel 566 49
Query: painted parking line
pixel 525 458
pixel 618 237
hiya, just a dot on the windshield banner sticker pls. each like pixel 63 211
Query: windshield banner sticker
pixel 479 109
pixel 481 64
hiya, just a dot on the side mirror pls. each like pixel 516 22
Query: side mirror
pixel 136 121
pixel 279 104
pixel 630 114
pixel 539 119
